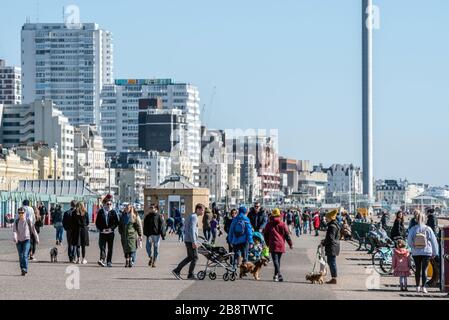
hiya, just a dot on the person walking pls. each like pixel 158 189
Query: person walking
pixel 289 220
pixel 130 229
pixel 297 222
pixel 67 225
pixel 214 228
pixel 80 233
pixel 227 226
pixel 276 234
pixel 401 264
pixel 56 218
pixel 398 230
pixel 332 244
pixel 207 218
pixel 424 246
pixel 38 225
pixel 29 211
pixel 43 212
pixel 241 236
pixel 258 217
pixel 190 240
pixel 106 223
pixel 23 228
pixel 306 221
pixel 383 220
pixel 412 221
pixel 432 221
pixel 316 223
pixel 154 229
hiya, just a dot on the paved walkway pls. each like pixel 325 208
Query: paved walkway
pixel 48 281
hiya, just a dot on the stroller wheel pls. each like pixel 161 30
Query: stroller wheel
pixel 212 276
pixel 226 276
pixel 233 276
pixel 201 275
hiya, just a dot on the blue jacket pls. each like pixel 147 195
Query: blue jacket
pixel 431 248
pixel 247 237
pixel 191 228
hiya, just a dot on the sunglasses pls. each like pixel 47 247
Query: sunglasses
pixel 21 212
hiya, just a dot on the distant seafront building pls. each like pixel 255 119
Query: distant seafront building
pixel 40 121
pixel 120 114
pixel 69 66
pixel 10 84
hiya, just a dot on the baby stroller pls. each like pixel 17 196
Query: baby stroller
pixel 217 257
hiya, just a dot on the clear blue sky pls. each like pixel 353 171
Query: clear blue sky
pixel 292 65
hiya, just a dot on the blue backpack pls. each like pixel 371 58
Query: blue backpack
pixel 240 228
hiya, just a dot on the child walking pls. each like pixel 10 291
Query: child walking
pixel 401 264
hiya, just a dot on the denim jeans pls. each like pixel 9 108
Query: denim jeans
pixel 59 232
pixel 298 231
pixel 277 262
pixel 332 261
pixel 306 227
pixel 240 250
pixel 192 257
pixel 207 234
pixel 70 248
pixel 153 242
pixel 23 248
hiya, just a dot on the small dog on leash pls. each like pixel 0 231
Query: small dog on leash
pixel 54 255
pixel 315 277
pixel 253 268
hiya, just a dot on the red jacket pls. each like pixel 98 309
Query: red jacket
pixel 275 234
pixel 316 221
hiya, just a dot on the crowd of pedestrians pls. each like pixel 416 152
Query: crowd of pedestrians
pixel 248 232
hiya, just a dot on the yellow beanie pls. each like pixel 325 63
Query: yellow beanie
pixel 332 215
pixel 276 213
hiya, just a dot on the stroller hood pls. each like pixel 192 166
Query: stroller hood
pixel 259 236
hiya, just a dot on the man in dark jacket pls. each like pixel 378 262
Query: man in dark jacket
pixel 67 224
pixel 258 217
pixel 383 220
pixel 154 230
pixel 107 221
pixel 207 230
pixel 43 212
pixel 332 244
pixel 432 221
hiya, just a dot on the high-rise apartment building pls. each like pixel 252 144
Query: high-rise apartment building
pixel 10 84
pixel 68 65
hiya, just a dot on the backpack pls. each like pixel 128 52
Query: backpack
pixel 240 228
pixel 420 240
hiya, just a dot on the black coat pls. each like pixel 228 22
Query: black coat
pixel 80 230
pixel 154 225
pixel 432 223
pixel 113 221
pixel 67 219
pixel 258 220
pixel 398 229
pixel 332 240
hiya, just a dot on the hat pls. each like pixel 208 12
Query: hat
pixel 242 210
pixel 107 198
pixel 332 215
pixel 276 213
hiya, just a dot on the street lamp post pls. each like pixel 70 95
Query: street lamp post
pixel 56 166
pixel 109 174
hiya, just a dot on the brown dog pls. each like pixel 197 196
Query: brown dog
pixel 315 277
pixel 253 268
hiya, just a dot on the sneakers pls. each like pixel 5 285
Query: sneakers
pixel 332 281
pixel 424 290
pixel 24 273
pixel 153 265
pixel 150 263
pixel 101 263
pixel 109 265
pixel 84 261
pixel 176 274
pixel 32 258
pixel 191 277
pixel 276 278
pixel 418 289
pixel 280 278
